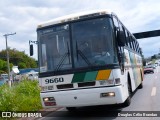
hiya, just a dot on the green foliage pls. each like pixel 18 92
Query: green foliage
pixel 3 66
pixel 24 96
pixel 22 65
pixel 17 58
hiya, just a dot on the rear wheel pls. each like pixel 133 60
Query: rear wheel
pixel 141 85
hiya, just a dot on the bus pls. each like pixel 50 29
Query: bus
pixel 87 59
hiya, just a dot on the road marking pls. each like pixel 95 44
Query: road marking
pixel 155 77
pixel 61 109
pixel 153 93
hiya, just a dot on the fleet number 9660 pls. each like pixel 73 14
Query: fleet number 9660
pixel 54 80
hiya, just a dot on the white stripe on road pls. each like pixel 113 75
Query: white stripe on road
pixel 155 77
pixel 153 93
pixel 61 109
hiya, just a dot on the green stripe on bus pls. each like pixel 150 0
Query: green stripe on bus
pixel 90 76
pixel 78 77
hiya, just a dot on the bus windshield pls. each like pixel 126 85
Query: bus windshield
pixel 92 45
pixel 93 42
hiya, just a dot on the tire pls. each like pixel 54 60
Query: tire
pixel 141 85
pixel 128 100
pixel 71 109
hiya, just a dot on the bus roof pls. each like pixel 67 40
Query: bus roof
pixel 74 16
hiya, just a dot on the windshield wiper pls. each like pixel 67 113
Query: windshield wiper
pixel 63 58
pixel 82 55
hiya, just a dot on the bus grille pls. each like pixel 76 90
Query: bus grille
pixel 64 86
pixel 86 84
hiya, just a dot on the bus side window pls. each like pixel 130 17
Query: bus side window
pixel 115 22
pixel 122 30
pixel 133 43
pixel 138 48
pixel 116 25
pixel 127 39
pixel 134 46
pixel 120 48
pixel 130 41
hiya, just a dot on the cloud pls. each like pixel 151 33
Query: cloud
pixel 23 16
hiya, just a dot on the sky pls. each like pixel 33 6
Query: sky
pixel 23 16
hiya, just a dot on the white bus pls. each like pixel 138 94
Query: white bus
pixel 87 59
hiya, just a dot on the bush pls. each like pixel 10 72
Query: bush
pixel 24 96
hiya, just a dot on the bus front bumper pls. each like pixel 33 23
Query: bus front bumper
pixel 83 97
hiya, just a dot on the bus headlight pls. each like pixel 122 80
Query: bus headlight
pixel 106 82
pixel 45 99
pixel 110 81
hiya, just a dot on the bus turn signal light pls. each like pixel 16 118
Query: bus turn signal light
pixel 49 101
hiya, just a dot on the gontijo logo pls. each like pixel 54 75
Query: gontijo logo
pixel 54 80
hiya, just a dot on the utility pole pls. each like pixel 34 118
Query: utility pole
pixel 7 52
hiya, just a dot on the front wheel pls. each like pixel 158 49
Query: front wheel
pixel 140 86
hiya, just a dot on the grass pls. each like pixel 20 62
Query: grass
pixel 24 96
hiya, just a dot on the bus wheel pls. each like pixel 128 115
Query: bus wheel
pixel 128 100
pixel 71 108
pixel 141 85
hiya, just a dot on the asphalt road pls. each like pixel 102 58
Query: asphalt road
pixel 145 99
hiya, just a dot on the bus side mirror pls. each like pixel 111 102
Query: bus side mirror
pixel 31 50
pixel 121 38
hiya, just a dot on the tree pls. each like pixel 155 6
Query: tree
pixel 3 66
pixel 18 58
pixel 21 65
